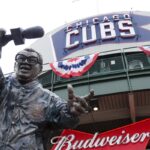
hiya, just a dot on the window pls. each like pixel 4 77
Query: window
pixel 137 61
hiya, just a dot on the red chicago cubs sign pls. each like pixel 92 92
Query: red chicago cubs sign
pixel 131 137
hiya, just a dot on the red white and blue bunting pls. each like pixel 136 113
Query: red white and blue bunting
pixel 74 66
pixel 145 49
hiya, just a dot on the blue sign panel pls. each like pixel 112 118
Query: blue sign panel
pixel 100 30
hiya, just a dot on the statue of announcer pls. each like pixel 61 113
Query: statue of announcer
pixel 25 105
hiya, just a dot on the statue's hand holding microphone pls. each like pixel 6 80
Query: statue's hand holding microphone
pixel 19 35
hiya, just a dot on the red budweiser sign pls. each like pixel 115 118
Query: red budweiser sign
pixel 131 137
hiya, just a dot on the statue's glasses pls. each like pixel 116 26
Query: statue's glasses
pixel 30 59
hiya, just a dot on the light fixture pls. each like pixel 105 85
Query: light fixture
pixel 95 108
pixel 94 104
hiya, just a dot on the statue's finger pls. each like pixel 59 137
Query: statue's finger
pixel 77 109
pixel 89 96
pixel 83 102
pixel 70 92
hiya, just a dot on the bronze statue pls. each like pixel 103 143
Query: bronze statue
pixel 25 105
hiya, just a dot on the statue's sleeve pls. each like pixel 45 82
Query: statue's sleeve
pixel 3 89
pixel 2 79
pixel 58 112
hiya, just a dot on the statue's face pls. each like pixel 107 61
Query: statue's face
pixel 27 66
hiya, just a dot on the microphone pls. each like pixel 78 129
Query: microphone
pixel 18 35
pixel 34 32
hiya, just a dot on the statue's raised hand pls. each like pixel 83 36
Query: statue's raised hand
pixel 78 104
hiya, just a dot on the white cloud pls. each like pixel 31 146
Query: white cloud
pixel 51 14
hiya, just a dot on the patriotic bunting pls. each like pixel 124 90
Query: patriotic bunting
pixel 74 66
pixel 145 49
